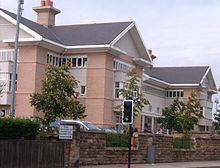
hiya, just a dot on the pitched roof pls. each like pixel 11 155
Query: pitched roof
pixel 89 34
pixel 72 35
pixel 178 75
pixel 38 28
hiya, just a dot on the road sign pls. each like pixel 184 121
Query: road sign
pixel 66 132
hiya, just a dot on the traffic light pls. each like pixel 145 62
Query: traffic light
pixel 127 114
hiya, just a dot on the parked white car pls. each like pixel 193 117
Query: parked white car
pixel 84 125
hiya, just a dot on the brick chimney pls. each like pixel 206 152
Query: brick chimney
pixel 46 13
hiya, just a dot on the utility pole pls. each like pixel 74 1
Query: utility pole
pixel 14 72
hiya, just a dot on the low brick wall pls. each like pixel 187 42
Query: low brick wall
pixel 93 150
pixel 163 148
pixel 204 149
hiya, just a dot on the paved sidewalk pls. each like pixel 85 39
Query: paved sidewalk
pixel 205 164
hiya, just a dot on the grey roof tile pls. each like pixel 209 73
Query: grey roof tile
pixel 89 34
pixel 178 75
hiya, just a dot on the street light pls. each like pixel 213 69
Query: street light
pixel 19 13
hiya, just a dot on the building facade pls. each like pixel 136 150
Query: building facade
pixel 100 57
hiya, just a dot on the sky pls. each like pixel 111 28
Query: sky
pixel 180 32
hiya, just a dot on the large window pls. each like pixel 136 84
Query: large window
pixel 153 90
pixel 6 54
pixel 82 90
pixel 10 82
pixel 119 126
pixel 175 93
pixel 122 66
pixel 201 110
pixel 74 61
pixel 118 86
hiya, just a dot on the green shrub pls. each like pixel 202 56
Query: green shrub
pixel 16 128
pixel 117 140
pixel 183 142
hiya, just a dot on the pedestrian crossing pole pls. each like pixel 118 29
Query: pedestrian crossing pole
pixel 129 147
pixel 127 118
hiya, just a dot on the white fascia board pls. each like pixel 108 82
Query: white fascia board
pixel 101 46
pixel 118 50
pixel 186 85
pixel 23 27
pixel 122 34
pixel 78 46
pixel 21 40
pixel 88 46
pixel 54 43
pixel 145 77
pixel 169 84
pixel 137 29
pixel 158 80
pixel 205 75
pixel 142 60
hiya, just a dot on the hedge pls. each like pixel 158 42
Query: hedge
pixel 183 142
pixel 16 128
pixel 117 140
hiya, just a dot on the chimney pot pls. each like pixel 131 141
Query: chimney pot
pixel 150 51
pixel 43 3
pixel 49 3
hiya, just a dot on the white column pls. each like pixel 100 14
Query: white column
pixel 152 124
pixel 142 122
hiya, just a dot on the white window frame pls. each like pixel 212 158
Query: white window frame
pixel 174 93
pixel 118 88
pixel 81 90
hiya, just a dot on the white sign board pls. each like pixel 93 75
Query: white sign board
pixel 66 132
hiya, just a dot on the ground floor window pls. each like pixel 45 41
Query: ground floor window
pixel 119 126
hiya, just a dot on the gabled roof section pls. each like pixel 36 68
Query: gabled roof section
pixel 178 75
pixel 37 28
pixel 89 34
pixel 100 36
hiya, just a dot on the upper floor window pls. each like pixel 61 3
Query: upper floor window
pixel 118 86
pixel 79 62
pixel 154 90
pixel 202 111
pixel 158 109
pixel 74 61
pixel 122 66
pixel 175 93
pixel 10 82
pixel 82 90
pixel 6 54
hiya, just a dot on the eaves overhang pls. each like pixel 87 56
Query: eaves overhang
pixel 158 82
pixel 43 42
pixel 142 62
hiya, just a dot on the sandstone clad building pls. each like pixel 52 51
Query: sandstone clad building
pixel 100 55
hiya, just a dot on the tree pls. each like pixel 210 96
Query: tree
pixel 58 98
pixel 180 116
pixel 131 90
pixel 217 121
pixel 171 115
pixel 192 113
